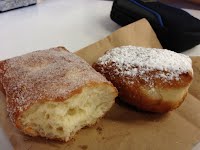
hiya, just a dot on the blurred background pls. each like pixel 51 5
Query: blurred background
pixel 73 24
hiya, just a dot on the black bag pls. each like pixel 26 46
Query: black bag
pixel 176 29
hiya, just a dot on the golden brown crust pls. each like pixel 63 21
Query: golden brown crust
pixel 1 76
pixel 109 72
pixel 132 94
pixel 49 75
pixel 130 86
pixel 136 97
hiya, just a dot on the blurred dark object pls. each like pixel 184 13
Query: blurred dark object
pixel 176 29
pixel 6 5
pixel 195 1
pixel 188 4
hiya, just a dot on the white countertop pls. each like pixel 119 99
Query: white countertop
pixel 73 24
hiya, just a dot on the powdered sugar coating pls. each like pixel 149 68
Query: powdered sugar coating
pixel 44 75
pixel 138 61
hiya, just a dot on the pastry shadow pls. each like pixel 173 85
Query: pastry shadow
pixel 43 142
pixel 124 112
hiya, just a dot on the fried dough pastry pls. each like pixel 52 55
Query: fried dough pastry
pixel 54 93
pixel 155 80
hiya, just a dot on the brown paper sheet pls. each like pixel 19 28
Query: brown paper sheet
pixel 124 128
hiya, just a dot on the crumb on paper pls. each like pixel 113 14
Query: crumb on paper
pixel 83 147
pixel 99 130
pixel 71 141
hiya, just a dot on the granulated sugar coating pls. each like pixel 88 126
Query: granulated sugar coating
pixel 137 61
pixel 44 75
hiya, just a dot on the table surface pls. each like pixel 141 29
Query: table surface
pixel 73 24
